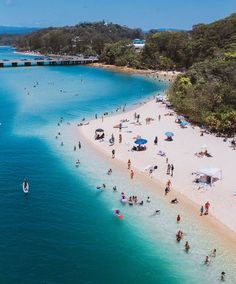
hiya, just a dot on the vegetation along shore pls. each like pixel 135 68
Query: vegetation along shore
pixel 205 92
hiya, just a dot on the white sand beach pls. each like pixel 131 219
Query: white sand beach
pixel 180 152
pixel 156 75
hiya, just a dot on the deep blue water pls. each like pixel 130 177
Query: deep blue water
pixel 63 231
pixel 59 233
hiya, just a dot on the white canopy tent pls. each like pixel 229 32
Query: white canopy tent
pixel 210 175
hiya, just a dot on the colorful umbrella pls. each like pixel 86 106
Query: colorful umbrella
pixel 141 141
pixel 169 134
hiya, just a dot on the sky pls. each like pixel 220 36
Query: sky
pixel 145 14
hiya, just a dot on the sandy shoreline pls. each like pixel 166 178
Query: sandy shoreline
pixel 221 212
pixel 154 74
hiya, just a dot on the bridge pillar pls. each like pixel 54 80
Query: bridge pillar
pixel 1 64
pixel 28 63
pixel 14 64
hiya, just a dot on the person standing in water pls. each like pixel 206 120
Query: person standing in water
pixel 113 153
pixel 187 247
pixel 207 261
pixel 222 276
pixel 178 218
pixel 213 254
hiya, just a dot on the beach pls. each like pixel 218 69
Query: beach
pixel 180 152
pixel 161 75
pixel 65 203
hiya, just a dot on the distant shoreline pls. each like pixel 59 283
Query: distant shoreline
pixel 155 74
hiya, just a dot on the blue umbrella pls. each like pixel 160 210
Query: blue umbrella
pixel 184 123
pixel 141 141
pixel 169 134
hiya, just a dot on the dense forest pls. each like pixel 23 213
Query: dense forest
pixel 86 38
pixel 205 92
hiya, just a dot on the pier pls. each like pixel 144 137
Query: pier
pixel 47 61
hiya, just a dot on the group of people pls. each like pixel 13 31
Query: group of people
pixel 204 210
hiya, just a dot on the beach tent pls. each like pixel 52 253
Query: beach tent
pixel 210 175
pixel 159 98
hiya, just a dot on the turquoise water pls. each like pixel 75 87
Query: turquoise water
pixel 64 231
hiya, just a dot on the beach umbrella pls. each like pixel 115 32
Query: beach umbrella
pixel 99 130
pixel 141 141
pixel 169 134
pixel 184 123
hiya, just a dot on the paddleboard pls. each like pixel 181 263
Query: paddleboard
pixel 118 215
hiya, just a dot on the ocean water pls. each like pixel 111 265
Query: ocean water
pixel 64 231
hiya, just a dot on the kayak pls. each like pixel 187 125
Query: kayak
pixel 25 187
pixel 118 215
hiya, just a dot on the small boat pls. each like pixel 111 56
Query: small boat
pixel 25 186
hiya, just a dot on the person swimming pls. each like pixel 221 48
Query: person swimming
pixel 101 187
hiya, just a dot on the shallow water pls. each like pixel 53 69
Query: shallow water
pixel 64 231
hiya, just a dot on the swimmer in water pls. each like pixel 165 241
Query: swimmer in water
pixel 207 261
pixel 222 276
pixel 187 247
pixel 213 254
pixel 178 219
pixel 114 188
pixel 130 201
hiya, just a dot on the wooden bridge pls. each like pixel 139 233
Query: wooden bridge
pixel 46 61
